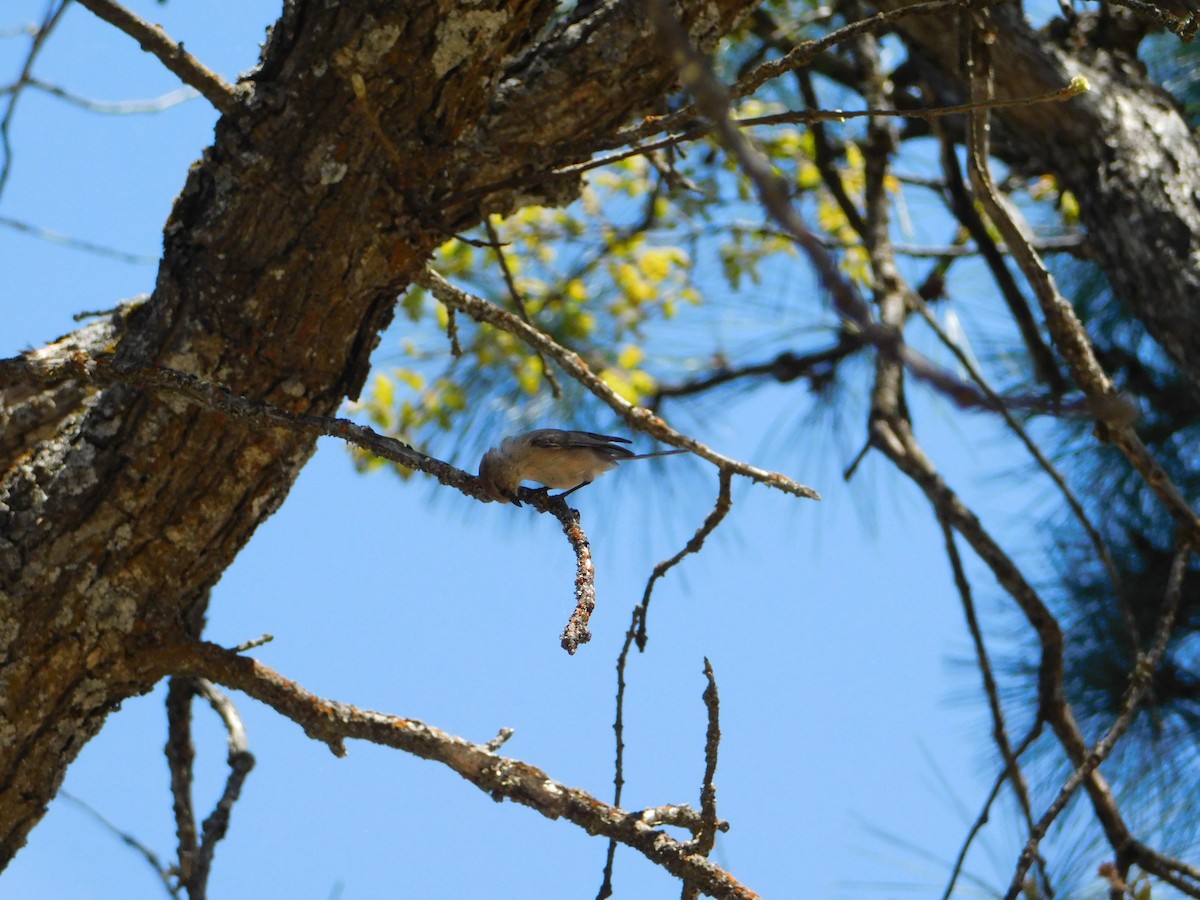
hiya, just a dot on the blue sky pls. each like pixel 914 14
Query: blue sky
pixel 832 627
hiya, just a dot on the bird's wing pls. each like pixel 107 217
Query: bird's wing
pixel 557 439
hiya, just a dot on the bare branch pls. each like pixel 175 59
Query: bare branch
pixel 796 58
pixel 785 367
pixel 501 778
pixel 129 840
pixel 806 52
pixel 984 814
pixel 181 755
pixel 1139 684
pixel 240 761
pixel 709 824
pixel 637 633
pixel 1012 769
pixel 57 237
pixel 452 334
pixel 52 369
pixel 117 107
pixel 1040 458
pixel 260 413
pixel 1185 27
pixel 681 816
pixel 255 642
pixel 712 741
pixel 720 510
pixel 1066 243
pixel 215 89
pixel 962 204
pixel 40 34
pixel 638 417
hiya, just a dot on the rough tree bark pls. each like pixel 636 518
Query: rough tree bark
pixel 1122 148
pixel 282 260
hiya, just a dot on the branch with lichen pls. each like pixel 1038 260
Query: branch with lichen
pixel 499 777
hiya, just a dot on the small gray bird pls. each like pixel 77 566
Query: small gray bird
pixel 555 459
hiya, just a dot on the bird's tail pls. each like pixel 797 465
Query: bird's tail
pixel 652 455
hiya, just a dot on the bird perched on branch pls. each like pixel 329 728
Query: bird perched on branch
pixel 555 459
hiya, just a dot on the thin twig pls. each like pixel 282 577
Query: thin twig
pixel 807 51
pixel 709 823
pixel 154 40
pixel 807 116
pixel 500 739
pixel 679 815
pixel 825 158
pixel 40 34
pixel 1066 243
pixel 796 58
pixel 636 633
pixel 452 333
pixel 117 107
pixel 1040 458
pixel 963 205
pixel 638 619
pixel 181 756
pixel 1184 27
pixel 577 631
pixel 706 835
pixel 259 641
pixel 129 840
pixel 785 367
pixel 518 300
pixel 57 237
pixel 720 510
pixel 985 813
pixel 1012 769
